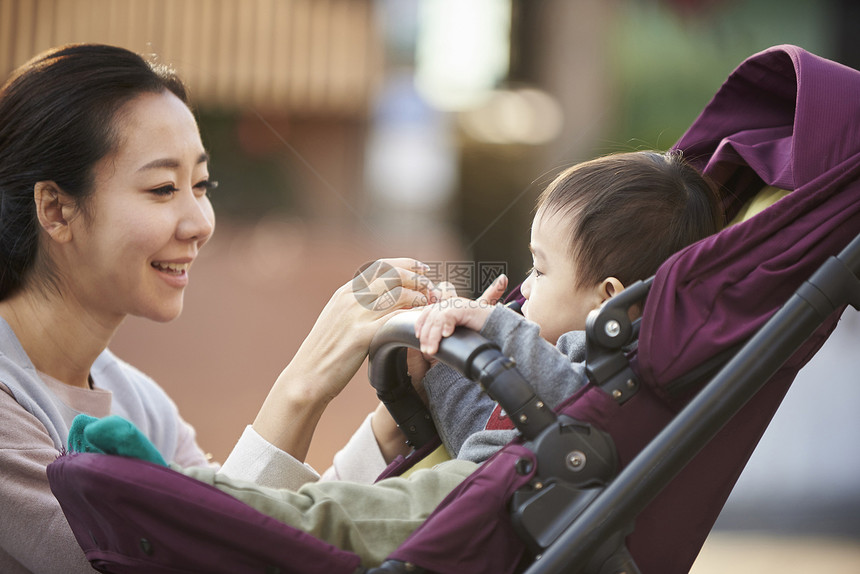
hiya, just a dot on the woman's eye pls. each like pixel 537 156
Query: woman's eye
pixel 165 190
pixel 204 187
pixel 207 185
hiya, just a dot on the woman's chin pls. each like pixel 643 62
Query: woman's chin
pixel 164 314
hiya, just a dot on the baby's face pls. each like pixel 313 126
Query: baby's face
pixel 552 299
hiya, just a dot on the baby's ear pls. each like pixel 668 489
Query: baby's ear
pixel 53 208
pixel 609 287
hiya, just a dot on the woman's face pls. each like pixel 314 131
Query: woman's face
pixel 149 215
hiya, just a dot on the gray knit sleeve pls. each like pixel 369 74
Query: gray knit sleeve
pixel 461 409
pixel 555 372
pixel 458 405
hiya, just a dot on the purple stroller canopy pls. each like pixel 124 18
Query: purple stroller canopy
pixel 785 118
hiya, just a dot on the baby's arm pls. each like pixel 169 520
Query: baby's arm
pixel 458 405
pixel 554 371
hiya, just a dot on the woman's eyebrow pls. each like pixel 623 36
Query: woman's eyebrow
pixel 172 163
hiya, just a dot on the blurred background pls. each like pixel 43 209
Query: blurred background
pixel 342 131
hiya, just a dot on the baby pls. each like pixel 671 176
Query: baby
pixel 599 226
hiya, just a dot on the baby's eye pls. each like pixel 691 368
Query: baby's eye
pixel 165 190
pixel 534 271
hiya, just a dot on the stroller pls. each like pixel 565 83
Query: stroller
pixel 630 473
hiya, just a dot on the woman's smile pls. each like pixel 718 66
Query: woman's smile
pixel 175 274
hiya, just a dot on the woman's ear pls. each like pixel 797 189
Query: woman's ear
pixel 609 287
pixel 53 208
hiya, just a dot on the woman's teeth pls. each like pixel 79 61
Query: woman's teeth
pixel 177 268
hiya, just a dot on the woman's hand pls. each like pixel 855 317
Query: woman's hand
pixel 336 347
pixel 338 342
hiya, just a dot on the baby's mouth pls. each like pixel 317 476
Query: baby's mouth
pixel 172 268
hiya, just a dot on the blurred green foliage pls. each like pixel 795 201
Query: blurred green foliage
pixel 667 64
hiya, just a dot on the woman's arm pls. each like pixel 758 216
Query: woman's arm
pixel 335 349
pixel 361 459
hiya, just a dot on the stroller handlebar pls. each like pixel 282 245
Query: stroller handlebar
pixel 467 352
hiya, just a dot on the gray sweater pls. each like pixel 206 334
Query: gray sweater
pixel 36 412
pixel 461 409
pixel 136 397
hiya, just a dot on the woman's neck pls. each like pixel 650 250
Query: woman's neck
pixel 61 339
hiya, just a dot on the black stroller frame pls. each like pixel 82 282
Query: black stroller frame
pixel 575 514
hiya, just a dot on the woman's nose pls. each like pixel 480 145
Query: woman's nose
pixel 198 219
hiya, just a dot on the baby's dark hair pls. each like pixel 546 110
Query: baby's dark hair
pixel 629 212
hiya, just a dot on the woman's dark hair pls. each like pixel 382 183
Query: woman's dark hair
pixel 57 116
pixel 629 212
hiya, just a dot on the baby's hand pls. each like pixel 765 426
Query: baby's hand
pixel 440 319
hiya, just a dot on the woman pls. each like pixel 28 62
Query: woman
pixel 103 210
